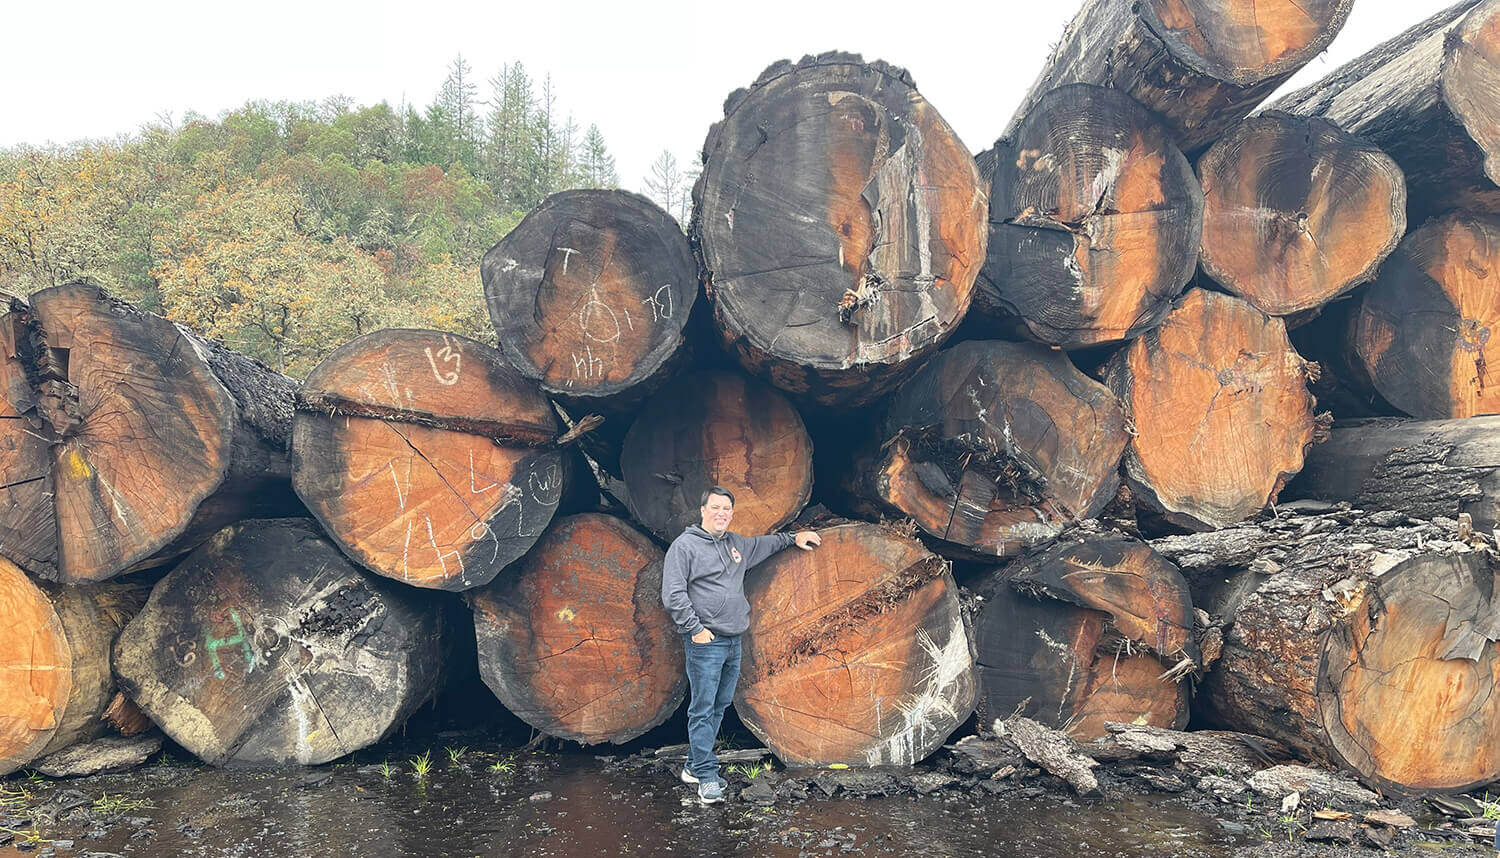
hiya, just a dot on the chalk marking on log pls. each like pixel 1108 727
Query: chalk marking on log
pixel 442 562
pixel 114 497
pixel 662 309
pixel 567 253
pixel 388 377
pixel 448 354
pixel 405 549
pixel 212 644
pixel 400 499
pixel 472 487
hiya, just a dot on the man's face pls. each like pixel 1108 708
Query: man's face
pixel 716 514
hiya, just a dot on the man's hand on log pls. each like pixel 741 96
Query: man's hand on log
pixel 806 539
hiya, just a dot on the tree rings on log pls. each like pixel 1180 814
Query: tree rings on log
pixel 267 646
pixel 1297 212
pixel 1094 220
pixel 1222 415
pixel 856 652
pixel 841 223
pixel 589 295
pixel 426 457
pixel 576 643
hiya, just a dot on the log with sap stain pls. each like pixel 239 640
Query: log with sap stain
pixel 1095 629
pixel 426 457
pixel 1201 65
pixel 856 653
pixel 589 295
pixel 841 225
pixel 1094 220
pixel 125 440
pixel 56 687
pixel 576 642
pixel 717 429
pixel 1297 212
pixel 994 447
pixel 267 646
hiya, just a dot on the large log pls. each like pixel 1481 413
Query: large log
pixel 1422 330
pixel 267 646
pixel 1218 398
pixel 125 440
pixel 426 457
pixel 994 447
pixel 589 295
pixel 1297 212
pixel 1202 65
pixel 841 225
pixel 717 429
pixel 1428 98
pixel 55 679
pixel 576 643
pixel 1094 220
pixel 856 652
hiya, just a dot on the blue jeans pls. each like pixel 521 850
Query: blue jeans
pixel 713 670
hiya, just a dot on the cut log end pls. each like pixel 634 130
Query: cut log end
pixel 1245 43
pixel 35 669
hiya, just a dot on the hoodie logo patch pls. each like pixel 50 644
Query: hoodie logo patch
pixel 735 553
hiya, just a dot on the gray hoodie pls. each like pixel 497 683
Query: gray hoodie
pixel 703 581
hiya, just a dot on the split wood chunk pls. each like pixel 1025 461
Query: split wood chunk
pixel 841 225
pixel 718 429
pixel 1094 220
pixel 125 440
pixel 1221 410
pixel 576 643
pixel 1202 65
pixel 994 447
pixel 1297 212
pixel 426 457
pixel 856 652
pixel 589 295
pixel 1422 331
pixel 267 646
pixel 1428 97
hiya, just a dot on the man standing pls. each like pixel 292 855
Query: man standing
pixel 703 587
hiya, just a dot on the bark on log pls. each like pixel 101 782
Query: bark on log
pixel 1422 329
pixel 717 429
pixel 55 679
pixel 1202 65
pixel 426 457
pixel 1094 220
pixel 856 653
pixel 1297 212
pixel 841 225
pixel 266 646
pixel 994 447
pixel 576 643
pixel 589 295
pixel 1428 97
pixel 125 440
pixel 1221 411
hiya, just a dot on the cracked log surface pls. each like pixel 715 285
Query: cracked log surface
pixel 426 457
pixel 125 440
pixel 576 642
pixel 589 295
pixel 1430 97
pixel 840 225
pixel 1297 212
pixel 995 447
pixel 267 646
pixel 1421 333
pixel 1094 220
pixel 856 653
pixel 1222 415
pixel 1202 65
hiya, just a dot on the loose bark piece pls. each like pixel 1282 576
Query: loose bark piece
pixel 589 294
pixel 1053 751
pixel 1297 212
pixel 841 225
pixel 576 643
pixel 266 646
pixel 856 652
pixel 426 457
pixel 717 429
pixel 1222 415
pixel 126 439
pixel 1094 220
pixel 1196 752
pixel 106 755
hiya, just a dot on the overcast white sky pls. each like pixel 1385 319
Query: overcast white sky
pixel 652 75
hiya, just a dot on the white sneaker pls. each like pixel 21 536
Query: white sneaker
pixel 711 792
pixel 688 777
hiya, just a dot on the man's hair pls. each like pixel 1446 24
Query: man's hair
pixel 716 490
